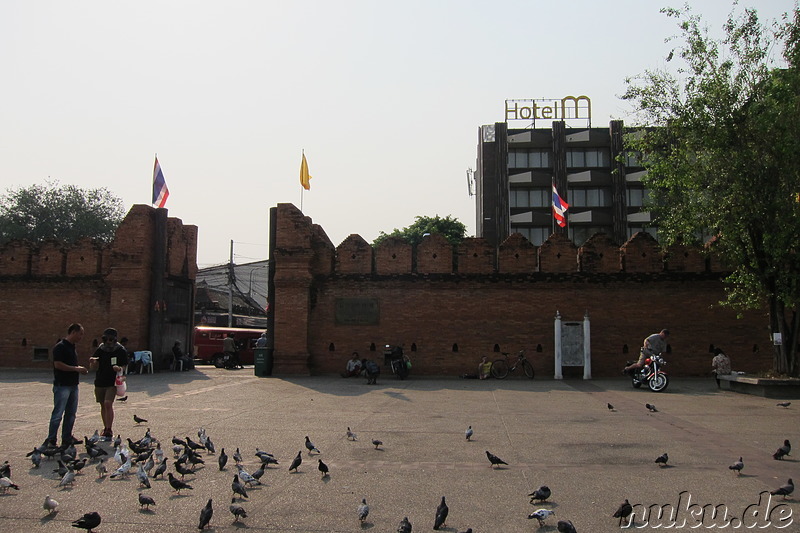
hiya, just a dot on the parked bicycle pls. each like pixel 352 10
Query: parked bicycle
pixel 502 367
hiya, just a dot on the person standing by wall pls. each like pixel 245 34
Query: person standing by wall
pixel 109 359
pixel 66 375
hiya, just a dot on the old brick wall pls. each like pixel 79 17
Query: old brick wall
pixel 447 314
pixel 46 287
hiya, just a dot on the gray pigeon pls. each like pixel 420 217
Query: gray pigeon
pixel 222 459
pixel 651 408
pixel 141 475
pixel 68 479
pixel 350 434
pixel 540 494
pixel 737 466
pixel 494 460
pixel 160 469
pixel 246 478
pixel 662 459
pixel 237 456
pixel 101 468
pixel 405 526
pixel 145 500
pixel 296 462
pixel 541 515
pixel 363 510
pixel 441 515
pixel 260 472
pixel 377 443
pixel 784 404
pixel 237 487
pixel 205 515
pixel 784 490
pixel 783 450
pixel 624 511
pixel 565 526
pixel 468 434
pixel 310 446
pixel 237 510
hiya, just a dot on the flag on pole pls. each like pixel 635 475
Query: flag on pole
pixel 305 177
pixel 160 190
pixel 559 208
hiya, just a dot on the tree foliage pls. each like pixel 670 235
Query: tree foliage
pixel 452 230
pixel 722 149
pixel 66 213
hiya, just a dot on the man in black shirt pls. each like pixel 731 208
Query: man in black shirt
pixel 66 373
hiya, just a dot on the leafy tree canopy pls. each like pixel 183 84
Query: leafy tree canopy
pixel 52 211
pixel 452 230
pixel 722 149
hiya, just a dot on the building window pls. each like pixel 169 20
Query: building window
pixel 637 197
pixel 633 159
pixel 580 234
pixel 519 198
pixel 596 197
pixel 528 159
pixel 588 158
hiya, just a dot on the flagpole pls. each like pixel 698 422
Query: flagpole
pixel 302 189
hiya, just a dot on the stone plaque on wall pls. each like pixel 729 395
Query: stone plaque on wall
pixel 572 344
pixel 357 311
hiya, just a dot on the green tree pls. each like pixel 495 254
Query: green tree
pixel 723 156
pixel 452 230
pixel 66 213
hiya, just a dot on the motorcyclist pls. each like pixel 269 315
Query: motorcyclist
pixel 653 345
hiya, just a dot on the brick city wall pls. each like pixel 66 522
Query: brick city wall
pixel 447 306
pixel 45 287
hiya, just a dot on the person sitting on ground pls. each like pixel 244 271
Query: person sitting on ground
pixel 484 368
pixel 353 368
pixel 373 371
pixel 721 364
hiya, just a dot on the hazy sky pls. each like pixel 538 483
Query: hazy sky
pixel 385 99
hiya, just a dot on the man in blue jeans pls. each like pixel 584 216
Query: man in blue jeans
pixel 66 374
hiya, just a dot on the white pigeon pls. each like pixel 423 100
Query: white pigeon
pixel 158 453
pixel 101 468
pixel 50 505
pixel 540 515
pixel 68 479
pixel 351 435
pixel 6 483
pixel 122 470
pixel 468 433
pixel 141 475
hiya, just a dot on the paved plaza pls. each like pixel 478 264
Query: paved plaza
pixel 555 433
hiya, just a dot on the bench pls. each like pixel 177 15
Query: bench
pixel 767 387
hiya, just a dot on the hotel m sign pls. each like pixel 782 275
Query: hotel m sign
pixel 567 108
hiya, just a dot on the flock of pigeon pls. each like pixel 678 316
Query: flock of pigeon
pixel 147 461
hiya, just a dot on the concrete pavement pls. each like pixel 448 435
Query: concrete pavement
pixel 555 433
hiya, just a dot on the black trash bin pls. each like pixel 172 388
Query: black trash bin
pixel 263 361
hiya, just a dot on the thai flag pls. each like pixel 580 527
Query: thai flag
pixel 559 208
pixel 160 190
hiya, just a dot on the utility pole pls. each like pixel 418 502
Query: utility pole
pixel 231 280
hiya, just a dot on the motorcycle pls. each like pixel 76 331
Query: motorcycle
pixel 399 363
pixel 651 374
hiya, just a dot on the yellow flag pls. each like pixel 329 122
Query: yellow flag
pixel 305 177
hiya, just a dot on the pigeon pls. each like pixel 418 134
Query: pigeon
pixel 149 464
pixel 178 442
pixel 70 453
pixel 96 452
pixel 296 462
pixel 68 479
pixel 122 399
pixel 62 468
pixel 651 408
pixel 377 443
pixel 237 510
pixel 222 460
pixel 624 511
pixel 468 434
pixel 177 484
pixel 182 470
pixel 540 494
pixel 310 446
pixel 237 456
pixel 160 469
pixel 36 457
pixel 737 466
pixel 193 445
pixel 138 420
pixel 5 469
pixel 195 460
pixel 405 526
pixel 784 490
pixel 323 468
pixel 565 526
pixel 441 515
pixel 117 441
pixel 237 487
pixel 541 515
pixel 89 521
pixel 268 459
pixel 494 460
pixel 784 404
pixel 350 434
pixel 205 515
pixel 363 510
pixel 610 407
pixel 50 505
pixel 246 478
pixel 6 483
pixel 158 454
pixel 141 475
pixel 783 450
pixel 258 473
pixel 122 470
pixel 145 500
pixel 101 468
pixel 77 466
pixel 662 459
pixel 210 446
